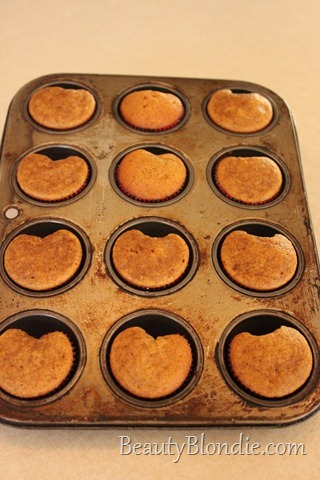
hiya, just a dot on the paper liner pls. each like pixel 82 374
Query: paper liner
pixel 73 195
pixel 156 289
pixel 163 129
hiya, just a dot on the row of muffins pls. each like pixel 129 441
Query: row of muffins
pixel 268 354
pixel 149 260
pixel 150 177
pixel 272 365
pixel 152 110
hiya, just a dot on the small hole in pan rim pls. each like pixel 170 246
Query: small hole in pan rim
pixel 248 151
pixel 264 229
pixel 156 149
pixel 151 86
pixel 262 322
pixel 236 89
pixel 156 227
pixel 67 84
pixel 39 322
pixel 155 322
pixel 56 152
pixel 41 228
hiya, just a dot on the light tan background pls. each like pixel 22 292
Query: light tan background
pixel 274 43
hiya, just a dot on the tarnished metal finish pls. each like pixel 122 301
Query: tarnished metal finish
pixel 206 306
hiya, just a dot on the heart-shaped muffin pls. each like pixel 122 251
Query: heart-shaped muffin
pixel 61 108
pixel 240 112
pixel 151 109
pixel 32 367
pixel 48 180
pixel 41 264
pixel 258 263
pixel 272 365
pixel 150 262
pixel 249 180
pixel 149 177
pixel 150 367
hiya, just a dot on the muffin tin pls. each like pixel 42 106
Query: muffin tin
pixel 205 306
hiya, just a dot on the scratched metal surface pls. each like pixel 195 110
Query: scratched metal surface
pixel 206 307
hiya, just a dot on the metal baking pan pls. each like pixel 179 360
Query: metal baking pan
pixel 205 307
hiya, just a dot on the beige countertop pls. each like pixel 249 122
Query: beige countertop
pixel 274 43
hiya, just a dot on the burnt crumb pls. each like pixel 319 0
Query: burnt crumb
pixel 306 222
pixel 101 275
pixel 203 257
pixel 236 298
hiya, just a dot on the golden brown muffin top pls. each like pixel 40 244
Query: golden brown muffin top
pixel 49 180
pixel 272 365
pixel 258 263
pixel 40 264
pixel 250 180
pixel 150 262
pixel 148 367
pixel 32 367
pixel 239 112
pixel 149 177
pixel 61 108
pixel 151 109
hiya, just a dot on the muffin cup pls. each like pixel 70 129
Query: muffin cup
pixel 262 322
pixel 42 228
pixel 233 199
pixel 156 323
pixel 37 323
pixel 156 150
pixel 263 229
pixel 247 152
pixel 57 152
pixel 157 87
pixel 236 89
pixel 155 227
pixel 65 84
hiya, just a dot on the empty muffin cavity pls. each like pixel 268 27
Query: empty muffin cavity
pixel 64 106
pixel 244 256
pixel 251 178
pixel 34 325
pixel 151 175
pixel 149 108
pixel 267 328
pixel 38 238
pixel 151 325
pixel 149 242
pixel 55 174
